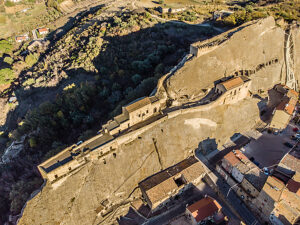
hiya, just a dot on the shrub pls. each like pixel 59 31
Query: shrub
pixel 2 19
pixel 32 142
pixel 5 46
pixel 29 82
pixel 6 76
pixel 31 59
pixel 8 60
pixel 9 4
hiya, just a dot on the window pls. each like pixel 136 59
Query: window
pixel 234 92
pixel 69 168
pixel 147 111
pixel 55 176
pixel 154 110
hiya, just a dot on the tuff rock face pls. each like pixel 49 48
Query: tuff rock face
pixel 76 198
pixel 249 47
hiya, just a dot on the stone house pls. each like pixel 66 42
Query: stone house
pixel 163 187
pixel 206 209
pixel 283 113
pixel 234 89
pixel 22 38
pixel 135 112
pixel 279 200
pixel 43 31
pixel 73 157
pixel 240 173
pixel 270 194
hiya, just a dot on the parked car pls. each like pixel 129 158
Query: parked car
pixel 287 144
pixel 79 143
pixel 256 163
pixel 293 137
pixel 295 129
pixel 266 171
pixel 252 159
pixel 276 132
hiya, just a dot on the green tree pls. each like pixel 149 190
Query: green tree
pixel 8 60
pixel 136 78
pixel 32 142
pixel 31 59
pixel 6 76
pixel 5 47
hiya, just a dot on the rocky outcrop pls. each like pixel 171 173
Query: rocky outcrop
pixel 75 199
pixel 257 46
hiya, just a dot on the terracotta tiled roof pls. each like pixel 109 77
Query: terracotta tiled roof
pixel 284 210
pixel 159 186
pixel 292 160
pixel 293 94
pixel 273 187
pixel 231 158
pixel 204 208
pixel 161 191
pixel 21 38
pixel 232 83
pixel 288 102
pixel 43 30
pixel 138 104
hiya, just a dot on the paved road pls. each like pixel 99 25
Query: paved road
pixel 223 187
pixel 236 202
pixel 269 149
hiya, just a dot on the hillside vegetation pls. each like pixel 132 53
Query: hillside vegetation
pixel 102 64
pixel 105 61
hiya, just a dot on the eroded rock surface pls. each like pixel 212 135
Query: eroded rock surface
pixel 246 49
pixel 74 200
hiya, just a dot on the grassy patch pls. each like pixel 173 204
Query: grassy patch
pixel 5 46
pixel 9 4
pixel 6 76
pixel 2 19
pixel 29 82
pixel 8 60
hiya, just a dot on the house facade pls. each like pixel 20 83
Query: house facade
pixel 133 113
pixel 245 178
pixel 233 89
pixel 43 31
pixel 283 112
pixel 279 200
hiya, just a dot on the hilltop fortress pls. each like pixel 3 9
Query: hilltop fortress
pixel 195 101
pixel 127 126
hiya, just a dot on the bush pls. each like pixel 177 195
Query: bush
pixel 9 4
pixel 32 142
pixel 2 19
pixel 29 82
pixel 6 76
pixel 31 59
pixel 5 46
pixel 8 60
